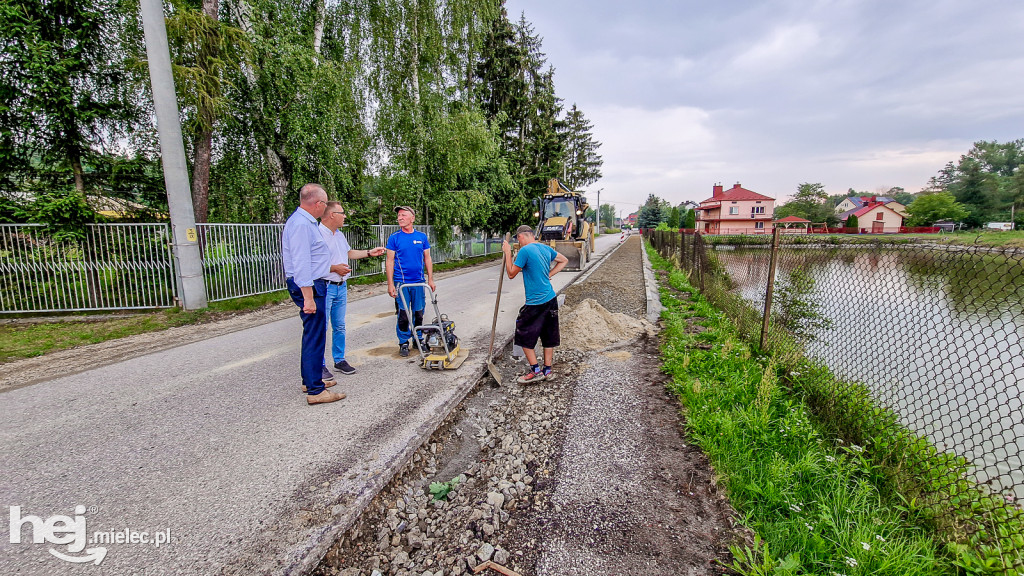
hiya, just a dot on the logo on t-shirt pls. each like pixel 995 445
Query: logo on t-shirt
pixel 417 242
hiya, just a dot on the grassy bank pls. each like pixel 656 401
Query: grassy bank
pixel 819 505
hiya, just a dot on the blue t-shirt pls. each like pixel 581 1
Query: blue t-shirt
pixel 408 250
pixel 535 259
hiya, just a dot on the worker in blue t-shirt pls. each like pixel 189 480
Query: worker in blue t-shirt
pixel 538 319
pixel 408 257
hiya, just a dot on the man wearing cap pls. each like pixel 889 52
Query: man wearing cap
pixel 307 261
pixel 538 318
pixel 337 290
pixel 408 258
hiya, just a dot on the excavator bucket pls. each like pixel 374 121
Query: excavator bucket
pixel 576 252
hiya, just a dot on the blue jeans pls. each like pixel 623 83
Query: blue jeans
pixel 337 301
pixel 417 301
pixel 314 336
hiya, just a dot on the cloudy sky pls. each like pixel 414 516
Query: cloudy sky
pixel 853 94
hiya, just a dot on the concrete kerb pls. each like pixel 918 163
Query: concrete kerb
pixel 302 560
pixel 654 306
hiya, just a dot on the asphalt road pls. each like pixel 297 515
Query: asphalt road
pixel 212 442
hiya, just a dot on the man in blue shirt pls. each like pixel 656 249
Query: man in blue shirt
pixel 538 319
pixel 408 257
pixel 307 261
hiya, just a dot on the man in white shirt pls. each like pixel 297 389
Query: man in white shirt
pixel 337 289
pixel 306 264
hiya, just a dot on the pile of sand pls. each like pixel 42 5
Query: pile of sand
pixel 589 326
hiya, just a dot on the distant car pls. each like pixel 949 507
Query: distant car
pixel 999 226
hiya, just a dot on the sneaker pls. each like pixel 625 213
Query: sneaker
pixel 326 375
pixel 403 349
pixel 344 367
pixel 549 373
pixel 530 377
pixel 326 385
pixel 324 397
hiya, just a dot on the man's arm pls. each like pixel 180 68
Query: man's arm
pixel 560 262
pixel 428 264
pixel 299 246
pixel 389 271
pixel 360 254
pixel 510 268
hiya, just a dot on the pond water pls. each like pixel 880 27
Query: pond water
pixel 938 336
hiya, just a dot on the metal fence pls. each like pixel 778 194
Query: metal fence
pixel 921 356
pixel 130 266
pixel 114 267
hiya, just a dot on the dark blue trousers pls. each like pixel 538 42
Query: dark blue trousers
pixel 314 335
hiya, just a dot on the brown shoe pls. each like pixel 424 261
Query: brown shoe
pixel 324 397
pixel 326 385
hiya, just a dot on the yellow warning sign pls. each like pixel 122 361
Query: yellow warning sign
pixel 190 234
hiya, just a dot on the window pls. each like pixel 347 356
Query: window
pixel 759 225
pixel 880 216
pixel 756 210
pixel 734 210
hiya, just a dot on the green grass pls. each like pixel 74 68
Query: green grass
pixel 28 340
pixel 1006 238
pixel 813 501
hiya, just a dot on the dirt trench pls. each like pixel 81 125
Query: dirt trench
pixel 590 473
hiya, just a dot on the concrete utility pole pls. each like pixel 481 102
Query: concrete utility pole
pixel 172 153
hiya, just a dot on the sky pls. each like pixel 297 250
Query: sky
pixel 858 94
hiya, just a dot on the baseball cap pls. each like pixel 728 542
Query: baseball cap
pixel 524 228
pixel 397 208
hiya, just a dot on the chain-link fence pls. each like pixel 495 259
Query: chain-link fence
pixel 917 353
pixel 131 266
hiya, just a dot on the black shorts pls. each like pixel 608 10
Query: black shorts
pixel 538 321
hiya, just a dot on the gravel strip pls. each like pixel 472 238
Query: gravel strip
pixel 590 473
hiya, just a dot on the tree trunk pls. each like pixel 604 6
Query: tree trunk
pixel 203 147
pixel 278 183
pixel 76 167
pixel 203 143
pixel 279 178
pixel 318 26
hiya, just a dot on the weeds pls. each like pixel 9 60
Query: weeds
pixel 440 490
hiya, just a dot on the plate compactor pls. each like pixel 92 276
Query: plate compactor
pixel 437 343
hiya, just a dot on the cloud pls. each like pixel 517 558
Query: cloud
pixel 784 47
pixel 850 93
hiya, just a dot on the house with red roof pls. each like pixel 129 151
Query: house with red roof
pixel 861 201
pixel 875 217
pixel 735 211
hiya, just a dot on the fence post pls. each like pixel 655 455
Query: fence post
pixel 693 257
pixel 776 234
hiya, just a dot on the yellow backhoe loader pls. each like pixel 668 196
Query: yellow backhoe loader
pixel 563 225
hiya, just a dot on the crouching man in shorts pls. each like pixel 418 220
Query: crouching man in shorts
pixel 538 319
